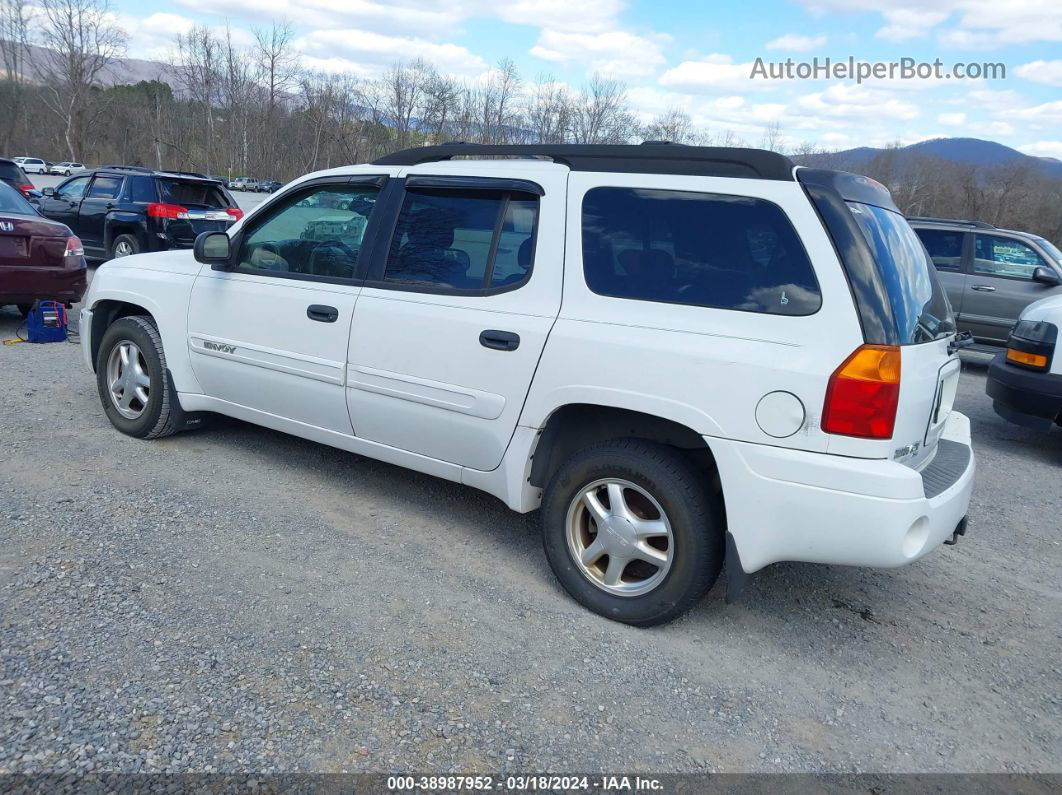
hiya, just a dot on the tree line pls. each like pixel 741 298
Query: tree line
pixel 221 108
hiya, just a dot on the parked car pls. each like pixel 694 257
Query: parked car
pixel 66 168
pixel 12 174
pixel 244 183
pixel 990 274
pixel 1025 380
pixel 270 186
pixel 662 348
pixel 32 165
pixel 39 259
pixel 123 210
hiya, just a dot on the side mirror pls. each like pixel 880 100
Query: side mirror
pixel 1046 276
pixel 49 191
pixel 213 248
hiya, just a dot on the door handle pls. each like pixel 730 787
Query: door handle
pixel 322 313
pixel 499 340
pixel 983 288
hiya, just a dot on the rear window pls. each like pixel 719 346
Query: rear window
pixel 11 201
pixel 13 172
pixel 700 249
pixel 197 194
pixel 920 307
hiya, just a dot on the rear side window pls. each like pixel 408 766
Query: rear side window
pixel 463 240
pixel 919 305
pixel 192 194
pixel 701 249
pixel 141 190
pixel 944 247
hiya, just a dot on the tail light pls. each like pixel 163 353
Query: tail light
pixel 25 189
pixel 170 212
pixel 235 212
pixel 74 247
pixel 863 394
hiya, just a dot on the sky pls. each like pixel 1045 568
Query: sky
pixel 697 56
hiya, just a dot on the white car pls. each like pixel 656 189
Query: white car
pixel 1025 380
pixel 680 355
pixel 66 168
pixel 32 165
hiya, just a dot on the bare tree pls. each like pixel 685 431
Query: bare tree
pixel 14 41
pixel 673 125
pixel 549 112
pixel 78 41
pixel 277 71
pixel 601 114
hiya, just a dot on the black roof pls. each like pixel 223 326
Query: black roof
pixel 649 158
pixel 925 219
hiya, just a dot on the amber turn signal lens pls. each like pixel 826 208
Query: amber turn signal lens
pixel 1028 359
pixel 863 394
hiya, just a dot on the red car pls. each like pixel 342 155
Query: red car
pixel 39 258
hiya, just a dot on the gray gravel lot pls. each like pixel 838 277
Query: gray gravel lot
pixel 238 600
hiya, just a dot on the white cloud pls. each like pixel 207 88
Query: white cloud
pixel 613 52
pixel 909 23
pixel 715 73
pixel 586 16
pixel 858 103
pixel 374 50
pixel 951 119
pixel 1043 149
pixel 794 42
pixel 1049 72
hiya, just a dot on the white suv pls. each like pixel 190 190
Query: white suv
pixel 682 355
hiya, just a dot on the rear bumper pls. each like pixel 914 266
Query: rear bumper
pixel 28 284
pixel 1024 397
pixel 794 505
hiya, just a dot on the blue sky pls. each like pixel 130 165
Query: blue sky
pixel 697 56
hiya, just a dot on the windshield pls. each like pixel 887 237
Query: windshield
pixel 11 201
pixel 919 304
pixel 1050 248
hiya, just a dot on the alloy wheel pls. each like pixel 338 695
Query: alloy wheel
pixel 128 380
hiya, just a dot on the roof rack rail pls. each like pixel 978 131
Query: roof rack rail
pixel 958 221
pixel 652 157
pixel 185 173
pixel 128 168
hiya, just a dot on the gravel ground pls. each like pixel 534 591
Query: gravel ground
pixel 238 600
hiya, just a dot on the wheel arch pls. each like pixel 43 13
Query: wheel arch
pixel 107 311
pixel 575 426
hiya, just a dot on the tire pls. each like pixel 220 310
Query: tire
pixel 652 472
pixel 24 309
pixel 124 245
pixel 66 173
pixel 161 414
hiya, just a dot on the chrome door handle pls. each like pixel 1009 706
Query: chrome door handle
pixel 984 288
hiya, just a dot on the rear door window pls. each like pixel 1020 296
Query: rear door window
pixel 463 239
pixel 104 188
pixel 701 249
pixel 944 247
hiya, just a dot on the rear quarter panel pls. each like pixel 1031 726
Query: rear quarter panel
pixel 705 368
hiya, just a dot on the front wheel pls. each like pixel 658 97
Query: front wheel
pixel 631 531
pixel 132 380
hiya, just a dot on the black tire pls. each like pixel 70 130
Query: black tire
pixel 162 415
pixel 127 239
pixel 681 491
pixel 24 309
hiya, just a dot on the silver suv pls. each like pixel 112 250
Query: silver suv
pixel 990 274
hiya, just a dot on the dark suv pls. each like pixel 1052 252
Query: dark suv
pixel 990 274
pixel 12 173
pixel 123 210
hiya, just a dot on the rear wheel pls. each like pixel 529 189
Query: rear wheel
pixel 124 246
pixel 132 380
pixel 631 531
